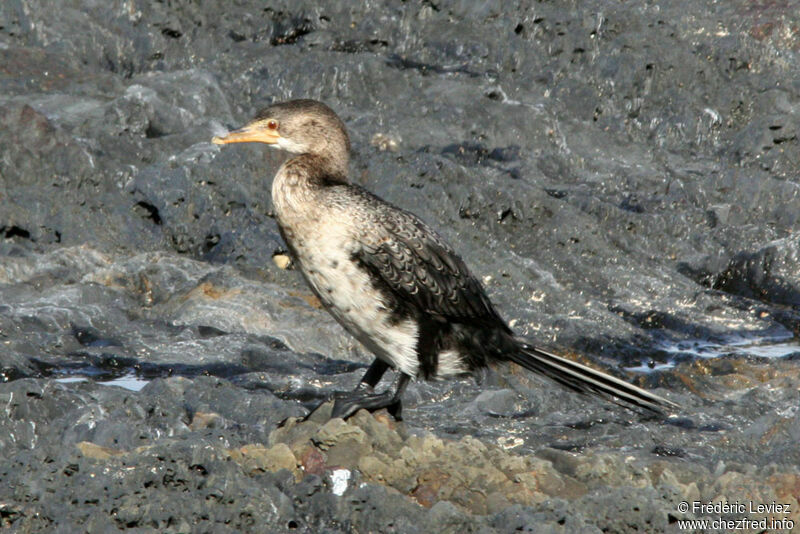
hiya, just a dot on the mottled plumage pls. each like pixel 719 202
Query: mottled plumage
pixel 387 277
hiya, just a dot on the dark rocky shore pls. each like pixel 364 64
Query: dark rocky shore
pixel 621 175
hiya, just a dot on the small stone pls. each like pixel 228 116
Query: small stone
pixel 336 431
pixel 372 468
pixel 312 461
pixel 275 458
pixel 384 142
pixel 379 430
pixel 339 480
pixel 282 261
pixel 322 414
pixel 502 402
pixel 430 483
pixel 348 452
pixel 296 435
pixel 97 452
pixel 203 420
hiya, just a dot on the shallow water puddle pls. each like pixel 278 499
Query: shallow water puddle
pixel 780 346
pixel 129 381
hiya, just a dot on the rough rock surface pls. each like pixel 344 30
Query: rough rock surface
pixel 622 176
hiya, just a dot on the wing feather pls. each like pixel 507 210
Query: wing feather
pixel 422 269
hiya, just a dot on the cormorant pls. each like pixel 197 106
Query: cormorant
pixel 387 277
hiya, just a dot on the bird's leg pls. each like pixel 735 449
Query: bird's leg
pixel 373 375
pixel 390 399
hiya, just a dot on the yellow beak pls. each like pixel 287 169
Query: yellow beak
pixel 248 134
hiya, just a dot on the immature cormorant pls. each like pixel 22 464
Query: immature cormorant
pixel 387 277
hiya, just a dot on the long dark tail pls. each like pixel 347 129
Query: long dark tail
pixel 586 380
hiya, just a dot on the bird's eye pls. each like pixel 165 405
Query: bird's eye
pixel 272 124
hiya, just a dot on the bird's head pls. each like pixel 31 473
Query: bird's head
pixel 297 126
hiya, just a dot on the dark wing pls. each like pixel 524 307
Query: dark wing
pixel 421 269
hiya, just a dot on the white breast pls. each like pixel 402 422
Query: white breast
pixel 348 294
pixel 323 240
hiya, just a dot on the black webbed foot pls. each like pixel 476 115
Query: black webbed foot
pixel 364 398
pixel 321 411
pixel 328 403
pixel 345 407
pixel 347 403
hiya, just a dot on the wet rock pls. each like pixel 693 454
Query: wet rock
pixel 768 274
pixel 621 177
pixel 500 403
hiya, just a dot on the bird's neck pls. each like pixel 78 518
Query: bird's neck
pixel 298 187
pixel 317 170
